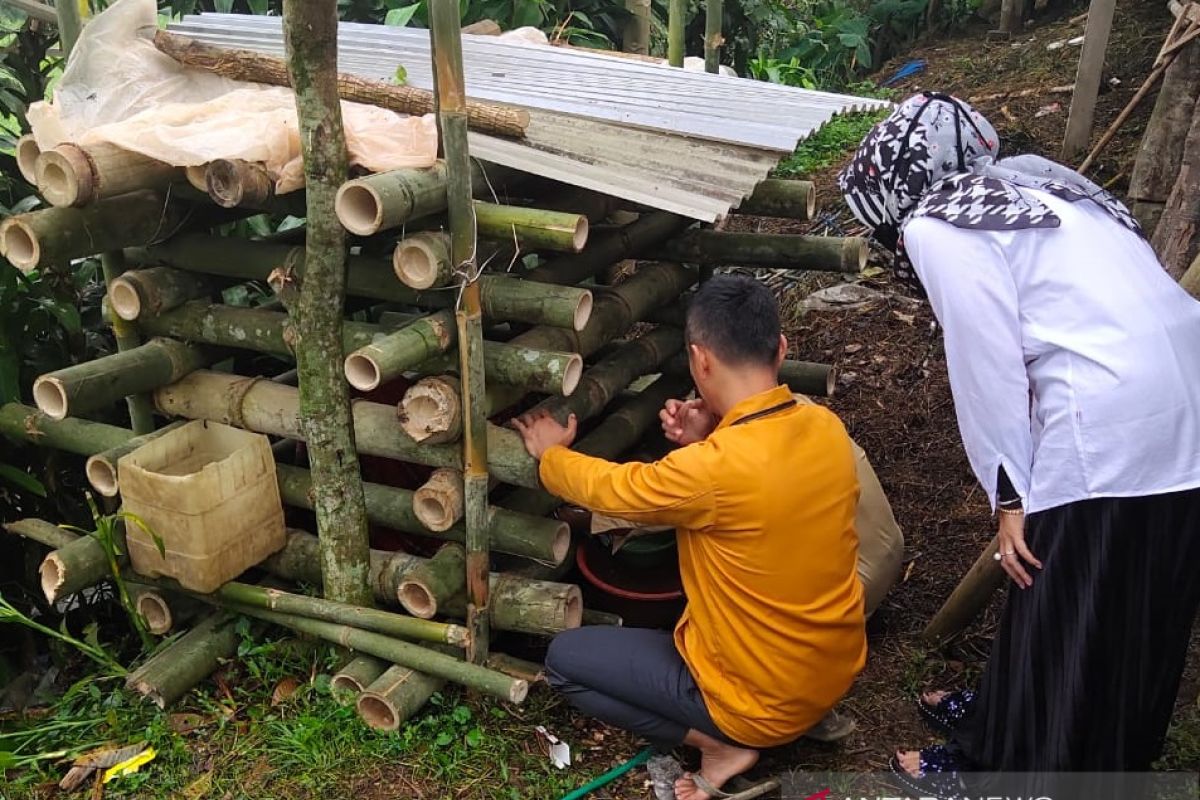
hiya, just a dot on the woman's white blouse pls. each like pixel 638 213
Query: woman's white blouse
pixel 1074 358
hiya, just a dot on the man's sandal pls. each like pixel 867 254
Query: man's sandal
pixel 939 773
pixel 945 714
pixel 703 785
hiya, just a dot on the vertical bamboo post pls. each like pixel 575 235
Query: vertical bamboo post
pixel 676 10
pixel 310 39
pixel 452 124
pixel 70 24
pixel 636 36
pixel 1087 80
pixel 714 10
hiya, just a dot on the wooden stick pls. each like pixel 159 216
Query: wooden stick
pixel 247 65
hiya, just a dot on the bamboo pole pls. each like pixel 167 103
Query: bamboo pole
pixel 430 410
pixel 713 38
pixel 541 608
pixel 161 610
pixel 434 580
pixel 805 377
pixel 593 617
pixel 57 235
pixel 777 197
pixel 368 205
pixel 422 261
pixel 517 667
pixel 40 531
pixel 676 22
pixel 407 654
pixel 80 436
pixel 72 175
pixel 395 696
pixel 354 677
pixel 246 65
pixel 439 502
pixel 446 47
pixel 233 182
pixel 101 468
pixel 172 672
pixel 969 598
pixel 776 250
pixel 27 153
pixel 102 382
pixel 70 25
pixel 532 228
pixel 504 298
pixel 141 412
pixel 392 355
pixel 150 292
pixel 310 40
pixel 609 248
pixel 635 37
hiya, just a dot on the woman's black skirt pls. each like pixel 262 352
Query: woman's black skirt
pixel 1085 669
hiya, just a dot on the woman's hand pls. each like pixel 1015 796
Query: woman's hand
pixel 1013 550
pixel 686 422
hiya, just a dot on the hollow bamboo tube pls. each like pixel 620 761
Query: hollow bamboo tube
pixel 969 597
pixel 40 531
pixel 776 197
pixel 439 502
pixel 385 200
pixel 233 182
pixel 80 436
pixel 593 617
pixel 532 228
pixel 76 566
pixel 389 356
pixel 504 298
pixel 516 667
pixel 152 291
pixel 395 696
pixel 400 652
pixel 806 377
pixel 542 608
pixel 609 248
pixel 422 261
pixel 197 177
pixel 71 175
pixel 161 610
pixel 113 265
pixel 676 21
pixel 98 383
pixel 354 677
pixel 101 468
pixel 247 65
pixel 56 235
pixel 172 672
pixel 434 580
pixel 774 250
pixel 430 411
pixel 27 152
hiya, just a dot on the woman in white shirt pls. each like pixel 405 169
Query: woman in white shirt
pixel 1074 362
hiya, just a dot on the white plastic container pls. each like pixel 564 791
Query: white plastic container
pixel 210 493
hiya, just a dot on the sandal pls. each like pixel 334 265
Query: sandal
pixel 705 786
pixel 938 776
pixel 947 712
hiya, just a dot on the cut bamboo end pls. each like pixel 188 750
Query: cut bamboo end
pixel 354 677
pixel 19 244
pixel 53 575
pixel 423 261
pixel 573 610
pixel 440 503
pixel 232 183
pixel 430 411
pixel 831 382
pixel 27 156
pixel 561 543
pixel 417 599
pixel 572 374
pixel 359 207
pixel 378 713
pixel 579 239
pixel 362 372
pixel 583 311
pixel 124 299
pixel 50 395
pixel 197 176
pixel 854 254
pixel 102 475
pixel 65 176
pixel 156 612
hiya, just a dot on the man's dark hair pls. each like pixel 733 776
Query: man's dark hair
pixel 737 318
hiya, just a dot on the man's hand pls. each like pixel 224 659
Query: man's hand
pixel 1013 550
pixel 686 421
pixel 541 432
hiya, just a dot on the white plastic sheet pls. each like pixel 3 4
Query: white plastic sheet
pixel 119 88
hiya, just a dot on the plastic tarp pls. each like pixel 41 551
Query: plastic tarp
pixel 118 88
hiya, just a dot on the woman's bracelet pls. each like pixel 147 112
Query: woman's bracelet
pixel 1014 511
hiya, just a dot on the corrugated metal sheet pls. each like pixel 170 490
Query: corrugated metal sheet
pixel 687 142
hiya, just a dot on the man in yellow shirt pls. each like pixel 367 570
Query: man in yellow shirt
pixel 762 494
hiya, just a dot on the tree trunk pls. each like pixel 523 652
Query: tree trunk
pixel 776 250
pixel 1087 79
pixel 1191 279
pixel 1161 150
pixel 1175 239
pixel 310 38
pixel 247 65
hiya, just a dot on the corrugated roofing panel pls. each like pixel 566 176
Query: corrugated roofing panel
pixel 687 142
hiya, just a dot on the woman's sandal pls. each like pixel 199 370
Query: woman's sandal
pixel 939 776
pixel 945 714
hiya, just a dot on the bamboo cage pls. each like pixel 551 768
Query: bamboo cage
pixel 474 296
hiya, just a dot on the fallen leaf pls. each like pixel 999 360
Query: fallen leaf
pixel 198 788
pixel 283 690
pixel 853 348
pixel 185 723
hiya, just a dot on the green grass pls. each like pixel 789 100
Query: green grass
pixel 232 740
pixel 841 135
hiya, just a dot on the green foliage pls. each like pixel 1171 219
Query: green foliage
pixel 89 645
pixel 828 145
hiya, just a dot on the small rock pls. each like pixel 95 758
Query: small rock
pixel 853 348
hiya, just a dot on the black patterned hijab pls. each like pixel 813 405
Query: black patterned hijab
pixel 936 156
